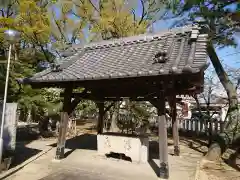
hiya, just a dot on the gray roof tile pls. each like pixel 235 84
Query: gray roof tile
pixel 180 50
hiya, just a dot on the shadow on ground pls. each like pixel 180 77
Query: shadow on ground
pixel 83 141
pixel 27 134
pixel 119 156
pixel 81 122
pixel 195 144
pixel 154 154
pixel 91 128
pixel 234 160
pixel 154 149
pixel 23 153
pixel 200 144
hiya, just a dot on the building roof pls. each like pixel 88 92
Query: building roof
pixel 175 51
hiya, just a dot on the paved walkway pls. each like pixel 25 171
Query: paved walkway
pixel 83 164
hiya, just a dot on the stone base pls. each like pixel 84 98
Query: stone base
pixel 135 147
pixel 6 164
pixel 59 153
pixel 164 171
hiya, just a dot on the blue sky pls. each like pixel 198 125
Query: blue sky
pixel 229 55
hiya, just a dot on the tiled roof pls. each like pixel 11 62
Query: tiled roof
pixel 174 51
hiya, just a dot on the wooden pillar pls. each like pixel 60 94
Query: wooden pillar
pixel 63 123
pixel 163 144
pixel 175 123
pixel 100 117
pixel 162 132
pixel 62 136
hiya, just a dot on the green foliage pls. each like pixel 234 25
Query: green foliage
pixel 221 23
pixel 219 19
pixel 101 19
pixel 40 26
pixel 86 108
pixel 132 116
pixel 31 19
pixel 96 20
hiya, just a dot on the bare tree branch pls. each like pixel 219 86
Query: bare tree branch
pixel 238 83
pixel 2 13
pixel 143 12
pixel 134 15
pixel 94 6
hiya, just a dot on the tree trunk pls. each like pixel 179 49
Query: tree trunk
pixel 221 142
pixel 200 111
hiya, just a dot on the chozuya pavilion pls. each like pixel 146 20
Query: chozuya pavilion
pixel 149 67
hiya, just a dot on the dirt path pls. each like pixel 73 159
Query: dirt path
pixel 217 171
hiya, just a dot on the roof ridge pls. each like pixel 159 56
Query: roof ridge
pixel 136 39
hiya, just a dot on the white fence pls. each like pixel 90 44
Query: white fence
pixel 199 126
pixel 193 125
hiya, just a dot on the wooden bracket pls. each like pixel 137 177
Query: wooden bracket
pixel 68 104
pixel 159 104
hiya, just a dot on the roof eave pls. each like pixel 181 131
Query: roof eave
pixel 40 83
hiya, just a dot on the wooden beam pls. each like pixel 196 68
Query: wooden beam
pixel 138 86
pixel 143 91
pixel 162 133
pixel 63 123
pixel 149 92
pixel 96 83
pixel 95 97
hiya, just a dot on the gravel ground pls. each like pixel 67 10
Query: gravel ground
pixel 207 170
